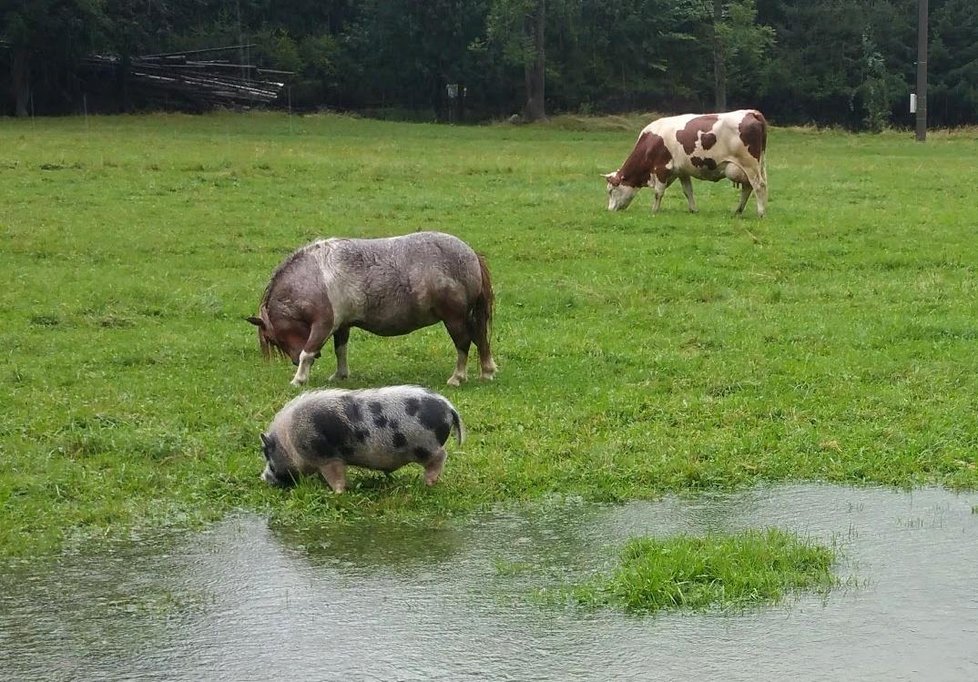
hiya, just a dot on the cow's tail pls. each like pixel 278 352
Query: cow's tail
pixel 763 159
pixel 480 314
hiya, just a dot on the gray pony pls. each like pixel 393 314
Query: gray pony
pixel 389 286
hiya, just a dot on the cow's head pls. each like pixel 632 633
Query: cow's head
pixel 619 195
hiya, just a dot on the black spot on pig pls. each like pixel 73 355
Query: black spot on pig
pixel 399 440
pixel 393 424
pixel 330 434
pixel 431 414
pixel 380 421
pixel 375 407
pixel 411 406
pixel 351 408
pixel 361 434
pixel 421 454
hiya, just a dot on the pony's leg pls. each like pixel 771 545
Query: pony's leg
pixel 334 471
pixel 459 331
pixel 340 338
pixel 433 467
pixel 486 363
pixel 688 191
pixel 318 333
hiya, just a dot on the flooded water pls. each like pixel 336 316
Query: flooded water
pixel 243 601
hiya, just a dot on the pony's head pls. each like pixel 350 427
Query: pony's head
pixel 619 195
pixel 285 342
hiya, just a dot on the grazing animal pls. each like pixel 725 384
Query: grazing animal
pixel 388 286
pixel 376 428
pixel 704 146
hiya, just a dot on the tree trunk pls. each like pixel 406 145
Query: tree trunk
pixel 20 81
pixel 719 64
pixel 535 65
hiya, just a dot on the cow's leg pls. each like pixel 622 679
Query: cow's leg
pixel 334 471
pixel 757 180
pixel 747 182
pixel 433 467
pixel 340 338
pixel 318 333
pixel 760 191
pixel 659 188
pixel 745 190
pixel 687 184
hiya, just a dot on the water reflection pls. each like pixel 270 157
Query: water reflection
pixel 387 601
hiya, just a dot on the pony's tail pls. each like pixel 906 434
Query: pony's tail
pixel 480 314
pixel 459 428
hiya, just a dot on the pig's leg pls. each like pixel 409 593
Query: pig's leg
pixel 334 471
pixel 433 467
pixel 340 338
pixel 318 333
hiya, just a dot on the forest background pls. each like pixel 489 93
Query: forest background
pixel 824 62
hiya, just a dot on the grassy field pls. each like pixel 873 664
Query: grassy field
pixel 833 340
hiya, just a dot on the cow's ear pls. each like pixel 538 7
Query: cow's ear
pixel 613 178
pixel 257 321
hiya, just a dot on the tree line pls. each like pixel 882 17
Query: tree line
pixel 830 62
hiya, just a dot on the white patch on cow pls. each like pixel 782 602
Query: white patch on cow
pixel 620 196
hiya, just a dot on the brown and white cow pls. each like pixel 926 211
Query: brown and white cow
pixel 705 146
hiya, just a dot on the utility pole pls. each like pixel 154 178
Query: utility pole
pixel 921 70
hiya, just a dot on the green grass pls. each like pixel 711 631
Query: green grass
pixel 833 340
pixel 720 571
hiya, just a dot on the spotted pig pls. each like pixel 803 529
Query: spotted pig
pixel 379 428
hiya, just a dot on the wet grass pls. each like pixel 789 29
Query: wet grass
pixel 733 571
pixel 833 340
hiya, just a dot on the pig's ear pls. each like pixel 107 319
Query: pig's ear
pixel 265 440
pixel 257 321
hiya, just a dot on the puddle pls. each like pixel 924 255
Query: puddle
pixel 244 601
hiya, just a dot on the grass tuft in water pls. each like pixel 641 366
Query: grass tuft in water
pixel 715 571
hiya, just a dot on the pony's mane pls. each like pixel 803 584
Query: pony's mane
pixel 284 267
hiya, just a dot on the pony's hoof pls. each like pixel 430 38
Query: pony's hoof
pixel 339 377
pixel 297 382
pixel 454 381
